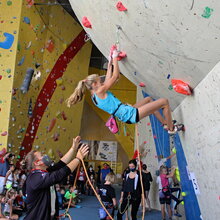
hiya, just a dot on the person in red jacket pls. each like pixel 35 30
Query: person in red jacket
pixel 81 179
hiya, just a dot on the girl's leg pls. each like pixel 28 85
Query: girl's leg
pixel 151 107
pixel 163 211
pixel 156 113
pixel 134 210
pixel 147 200
pixel 169 211
pixel 122 209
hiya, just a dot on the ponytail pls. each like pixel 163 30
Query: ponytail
pixel 78 94
pixel 80 89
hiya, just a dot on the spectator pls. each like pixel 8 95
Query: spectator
pixel 91 171
pixel 4 167
pixel 147 179
pixel 98 178
pixel 70 195
pixel 39 186
pixel 88 187
pixel 108 197
pixel 104 171
pixel 9 178
pixel 81 179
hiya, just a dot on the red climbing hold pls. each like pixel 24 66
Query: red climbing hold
pixel 86 22
pixel 121 7
pixel 121 55
pixel 181 87
pixel 3 152
pixel 4 133
pixel 141 84
pixel 0 77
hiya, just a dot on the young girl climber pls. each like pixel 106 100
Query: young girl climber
pixel 106 101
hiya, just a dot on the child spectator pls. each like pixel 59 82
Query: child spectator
pixel 9 178
pixel 70 195
pixel 88 187
pixel 81 178
pixel 108 197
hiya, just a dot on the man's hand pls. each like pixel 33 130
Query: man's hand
pixel 83 151
pixel 76 142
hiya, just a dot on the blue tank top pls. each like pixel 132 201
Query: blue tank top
pixel 109 104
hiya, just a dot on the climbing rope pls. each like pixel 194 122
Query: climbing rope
pixel 140 170
pixel 126 207
pixel 96 194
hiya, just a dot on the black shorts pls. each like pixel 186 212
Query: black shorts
pixel 165 197
pixel 165 201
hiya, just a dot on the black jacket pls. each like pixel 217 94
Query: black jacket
pixel 37 190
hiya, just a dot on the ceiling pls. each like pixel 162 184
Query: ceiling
pixel 161 38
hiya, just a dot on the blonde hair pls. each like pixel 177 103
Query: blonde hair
pixel 110 177
pixel 80 89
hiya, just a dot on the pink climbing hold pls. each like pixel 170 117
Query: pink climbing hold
pixel 86 23
pixel 4 133
pixel 141 84
pixel 121 55
pixel 181 87
pixel 121 7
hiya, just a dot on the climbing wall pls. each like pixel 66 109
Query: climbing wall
pixel 201 116
pixel 10 13
pixel 57 51
pixel 162 39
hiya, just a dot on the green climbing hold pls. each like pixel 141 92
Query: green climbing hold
pixel 18 156
pixel 9 3
pixel 19 46
pixel 207 12
pixel 8 71
pixel 170 87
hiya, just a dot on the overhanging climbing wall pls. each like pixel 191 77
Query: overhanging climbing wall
pixel 163 39
pixel 57 51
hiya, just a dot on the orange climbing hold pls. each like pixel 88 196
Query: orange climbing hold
pixel 181 87
pixel 86 23
pixel 52 124
pixel 121 7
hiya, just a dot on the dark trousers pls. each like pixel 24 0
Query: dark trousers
pixel 135 203
pixel 80 185
pixel 174 197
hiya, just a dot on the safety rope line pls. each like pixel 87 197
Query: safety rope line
pixel 96 194
pixel 71 198
pixel 140 170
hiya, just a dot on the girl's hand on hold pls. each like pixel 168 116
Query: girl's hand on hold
pixel 82 152
pixel 115 54
pixel 76 142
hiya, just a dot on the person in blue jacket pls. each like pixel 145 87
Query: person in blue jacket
pixel 39 188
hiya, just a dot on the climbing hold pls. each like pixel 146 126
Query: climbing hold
pixel 50 45
pixel 183 194
pixel 121 7
pixel 9 39
pixel 64 116
pixel 148 124
pixel 170 87
pixel 29 45
pixel 21 61
pixel 26 20
pixel 155 136
pixel 121 55
pixel 52 124
pixel 59 81
pixel 4 133
pixel 37 65
pixel 3 152
pixel 181 87
pixel 30 111
pixel 168 76
pixel 86 23
pixel 207 12
pixel 0 77
pixel 174 150
pixel 27 80
pixel 141 84
pixel 30 2
pixel 9 3
pixel 56 137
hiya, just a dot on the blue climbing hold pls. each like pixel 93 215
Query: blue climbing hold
pixel 27 20
pixel 8 41
pixel 21 61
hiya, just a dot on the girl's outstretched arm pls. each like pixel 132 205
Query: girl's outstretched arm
pixel 109 70
pixel 111 81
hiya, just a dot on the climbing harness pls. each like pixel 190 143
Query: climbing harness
pixel 140 170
